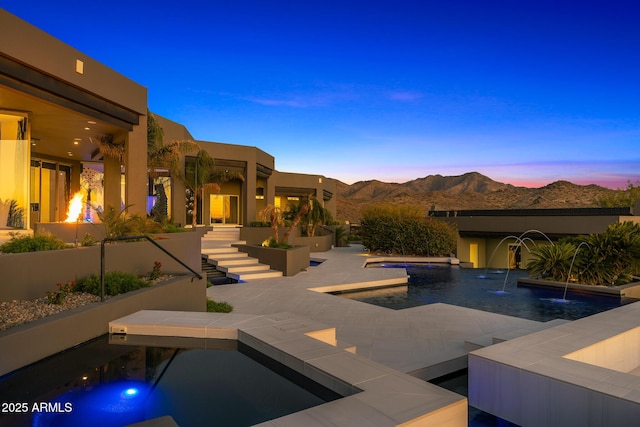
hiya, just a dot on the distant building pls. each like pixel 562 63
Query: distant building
pixel 69 123
pixel 500 238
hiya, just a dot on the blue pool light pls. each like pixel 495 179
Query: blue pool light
pixel 105 405
pixel 130 392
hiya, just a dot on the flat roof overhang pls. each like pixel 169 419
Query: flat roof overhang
pixel 65 120
pixel 556 226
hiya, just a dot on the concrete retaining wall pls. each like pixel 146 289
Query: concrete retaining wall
pixel 30 275
pixel 289 261
pixel 28 343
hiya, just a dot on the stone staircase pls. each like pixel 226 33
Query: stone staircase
pixel 238 266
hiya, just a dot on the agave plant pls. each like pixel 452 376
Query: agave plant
pixel 552 261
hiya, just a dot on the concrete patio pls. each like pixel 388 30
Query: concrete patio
pixel 427 341
pixel 358 348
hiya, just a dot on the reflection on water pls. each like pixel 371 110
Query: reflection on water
pixel 483 290
pixel 102 384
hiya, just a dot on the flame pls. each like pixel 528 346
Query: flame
pixel 75 208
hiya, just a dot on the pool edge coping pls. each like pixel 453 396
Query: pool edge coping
pixel 372 391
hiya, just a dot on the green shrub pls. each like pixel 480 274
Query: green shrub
pixel 405 230
pixel 88 240
pixel 115 282
pixel 218 307
pixel 608 258
pixel 259 224
pixel 41 241
pixel 271 243
pixel 61 294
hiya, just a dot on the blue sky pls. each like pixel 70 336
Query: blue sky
pixel 525 92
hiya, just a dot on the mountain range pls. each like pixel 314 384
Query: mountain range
pixel 468 191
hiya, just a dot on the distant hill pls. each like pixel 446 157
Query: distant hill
pixel 469 191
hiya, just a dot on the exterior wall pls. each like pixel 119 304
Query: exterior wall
pixel 252 157
pixel 550 225
pixel 34 47
pixel 47 75
pixel 491 233
pixel 494 253
pixel 303 184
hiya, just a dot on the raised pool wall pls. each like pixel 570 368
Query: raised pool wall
pixel 582 373
pixel 33 341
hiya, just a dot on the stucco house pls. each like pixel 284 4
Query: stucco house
pixel 59 109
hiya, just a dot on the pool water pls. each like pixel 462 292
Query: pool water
pixel 458 382
pixel 102 384
pixel 483 290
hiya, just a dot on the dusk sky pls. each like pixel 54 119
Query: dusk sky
pixel 526 92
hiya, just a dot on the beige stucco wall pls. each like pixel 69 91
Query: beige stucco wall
pixel 33 47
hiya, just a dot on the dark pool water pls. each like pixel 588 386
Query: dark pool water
pixel 102 384
pixel 483 290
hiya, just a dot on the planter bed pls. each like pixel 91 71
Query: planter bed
pixel 630 290
pixel 290 261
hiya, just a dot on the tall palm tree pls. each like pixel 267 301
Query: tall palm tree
pixel 201 176
pixel 317 215
pixel 164 157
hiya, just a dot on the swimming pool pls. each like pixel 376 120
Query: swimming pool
pixel 482 289
pixel 102 384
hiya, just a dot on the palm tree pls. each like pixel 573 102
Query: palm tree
pixel 164 157
pixel 197 179
pixel 317 215
pixel 274 215
pixel 201 176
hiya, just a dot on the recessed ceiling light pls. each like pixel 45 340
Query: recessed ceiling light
pixel 87 128
pixel 91 122
pixel 76 142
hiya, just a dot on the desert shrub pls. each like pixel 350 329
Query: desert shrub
pixel 42 241
pixel 608 258
pixel 115 282
pixel 88 240
pixel 552 261
pixel 405 230
pixel 218 306
pixel 272 243
pixel 120 223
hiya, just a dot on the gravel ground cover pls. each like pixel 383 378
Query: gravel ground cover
pixel 14 313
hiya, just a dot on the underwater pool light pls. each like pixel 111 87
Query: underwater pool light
pixel 130 392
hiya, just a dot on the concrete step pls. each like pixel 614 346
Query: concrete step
pixel 224 232
pixel 228 255
pixel 232 261
pixel 219 250
pixel 211 244
pixel 249 275
pixel 244 267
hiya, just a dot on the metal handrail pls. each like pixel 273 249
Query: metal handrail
pixel 143 236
